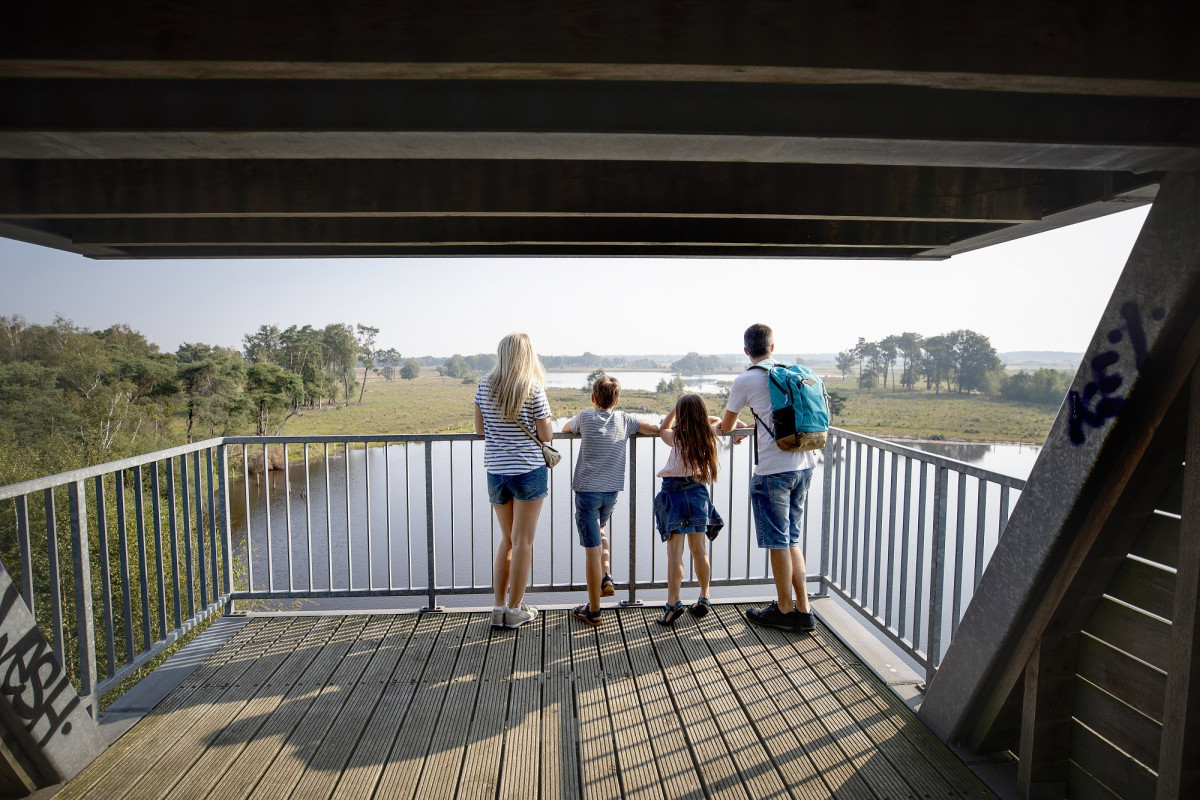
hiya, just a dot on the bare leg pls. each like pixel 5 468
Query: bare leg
pixel 604 553
pixel 799 579
pixel 698 543
pixel 781 571
pixel 502 566
pixel 594 575
pixel 674 567
pixel 524 526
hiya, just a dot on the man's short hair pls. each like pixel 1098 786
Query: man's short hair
pixel 758 340
pixel 606 390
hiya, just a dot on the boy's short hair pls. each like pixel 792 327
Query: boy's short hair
pixel 605 391
pixel 758 340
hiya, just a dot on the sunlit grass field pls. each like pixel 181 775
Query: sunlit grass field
pixel 433 404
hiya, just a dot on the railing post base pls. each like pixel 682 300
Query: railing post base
pixel 433 609
pixel 631 603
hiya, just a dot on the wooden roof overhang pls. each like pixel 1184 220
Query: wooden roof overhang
pixel 763 128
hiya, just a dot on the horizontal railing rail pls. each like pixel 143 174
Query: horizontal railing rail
pixel 160 542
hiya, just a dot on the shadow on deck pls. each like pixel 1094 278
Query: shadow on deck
pixel 441 705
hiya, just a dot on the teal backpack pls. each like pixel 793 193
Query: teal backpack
pixel 799 407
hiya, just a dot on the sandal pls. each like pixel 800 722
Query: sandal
pixel 700 608
pixel 607 587
pixel 584 613
pixel 671 613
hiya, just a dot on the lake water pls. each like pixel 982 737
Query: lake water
pixel 708 383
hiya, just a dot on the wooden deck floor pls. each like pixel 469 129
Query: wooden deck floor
pixel 442 706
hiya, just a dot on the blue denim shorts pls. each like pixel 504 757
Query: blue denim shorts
pixel 683 505
pixel 526 487
pixel 593 510
pixel 778 503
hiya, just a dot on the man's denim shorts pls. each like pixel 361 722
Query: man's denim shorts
pixel 593 510
pixel 778 503
pixel 526 487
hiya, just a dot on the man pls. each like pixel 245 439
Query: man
pixel 777 490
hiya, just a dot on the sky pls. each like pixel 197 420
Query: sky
pixel 1043 292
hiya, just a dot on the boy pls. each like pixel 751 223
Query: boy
pixel 599 476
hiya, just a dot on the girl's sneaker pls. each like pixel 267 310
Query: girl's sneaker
pixel 498 616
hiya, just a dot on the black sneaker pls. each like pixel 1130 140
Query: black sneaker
pixel 803 621
pixel 772 617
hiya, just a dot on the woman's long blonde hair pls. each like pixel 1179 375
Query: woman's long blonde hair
pixel 518 370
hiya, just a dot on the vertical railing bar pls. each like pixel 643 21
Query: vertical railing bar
pixel 212 525
pixel 749 498
pixel 349 542
pixel 173 528
pixel 865 540
pixel 878 537
pixel 82 572
pixel 937 572
pixel 201 561
pixel 56 610
pixel 143 564
pixel 249 530
pixel 836 502
pixel 1003 521
pixel 891 540
pixel 552 536
pixel 266 479
pixel 387 506
pixel 308 553
pixel 26 547
pixel 453 555
pixel 367 501
pixel 980 529
pixel 847 492
pixel 187 536
pixel 430 544
pixel 571 489
pixel 919 578
pixel 902 622
pixel 633 448
pixel 826 511
pixel 855 546
pixel 123 560
pixel 960 529
pixel 408 514
pixel 729 515
pixel 287 515
pixel 328 521
pixel 110 649
pixel 155 506
pixel 226 526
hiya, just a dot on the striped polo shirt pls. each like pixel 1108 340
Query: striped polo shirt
pixel 506 450
pixel 601 464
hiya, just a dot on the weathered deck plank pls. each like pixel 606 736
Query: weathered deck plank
pixel 443 706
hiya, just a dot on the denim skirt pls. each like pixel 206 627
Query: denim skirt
pixel 683 505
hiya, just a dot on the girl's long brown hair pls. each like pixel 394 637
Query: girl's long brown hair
pixel 694 439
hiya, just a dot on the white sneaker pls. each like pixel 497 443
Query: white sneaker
pixel 498 616
pixel 516 617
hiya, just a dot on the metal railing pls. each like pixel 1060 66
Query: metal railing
pixel 891 566
pixel 161 542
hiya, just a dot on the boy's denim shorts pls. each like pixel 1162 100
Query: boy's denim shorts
pixel 526 487
pixel 778 503
pixel 593 510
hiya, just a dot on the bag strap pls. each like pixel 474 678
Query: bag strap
pixel 525 430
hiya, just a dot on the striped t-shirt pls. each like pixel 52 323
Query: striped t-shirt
pixel 507 450
pixel 601 464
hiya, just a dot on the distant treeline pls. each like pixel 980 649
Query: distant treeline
pixel 963 360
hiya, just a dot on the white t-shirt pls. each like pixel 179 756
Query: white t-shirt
pixel 750 390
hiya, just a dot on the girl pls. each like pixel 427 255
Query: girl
pixel 683 507
pixel 510 398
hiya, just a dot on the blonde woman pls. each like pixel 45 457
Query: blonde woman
pixel 510 397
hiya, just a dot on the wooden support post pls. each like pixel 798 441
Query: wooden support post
pixel 1178 767
pixel 1046 718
